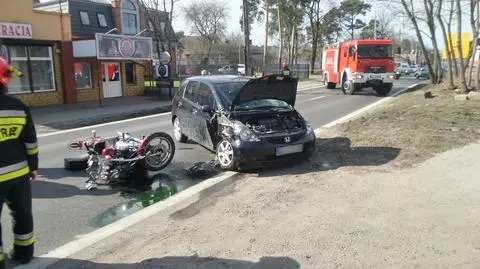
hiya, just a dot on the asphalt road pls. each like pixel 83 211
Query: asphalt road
pixel 63 210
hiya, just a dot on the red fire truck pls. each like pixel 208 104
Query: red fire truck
pixel 359 64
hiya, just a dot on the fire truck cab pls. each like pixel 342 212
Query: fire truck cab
pixel 359 64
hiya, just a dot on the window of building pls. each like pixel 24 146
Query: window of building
pixel 84 18
pixel 101 20
pixel 83 75
pixel 129 17
pixel 130 73
pixel 36 63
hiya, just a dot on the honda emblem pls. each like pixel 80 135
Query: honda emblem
pixel 287 139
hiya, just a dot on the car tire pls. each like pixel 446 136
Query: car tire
pixel 226 156
pixel 384 89
pixel 76 163
pixel 177 131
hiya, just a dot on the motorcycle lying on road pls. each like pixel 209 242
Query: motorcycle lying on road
pixel 111 159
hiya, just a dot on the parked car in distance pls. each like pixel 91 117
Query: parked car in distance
pixel 241 69
pixel 248 122
pixel 422 73
pixel 405 68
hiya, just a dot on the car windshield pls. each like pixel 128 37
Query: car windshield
pixel 374 51
pixel 227 91
pixel 263 104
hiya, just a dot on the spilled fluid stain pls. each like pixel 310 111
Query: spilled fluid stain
pixel 140 197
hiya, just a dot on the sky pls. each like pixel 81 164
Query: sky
pixel 233 20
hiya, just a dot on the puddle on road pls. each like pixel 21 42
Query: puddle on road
pixel 140 197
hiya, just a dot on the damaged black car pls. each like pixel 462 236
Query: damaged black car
pixel 248 122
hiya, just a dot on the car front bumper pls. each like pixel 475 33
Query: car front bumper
pixel 264 154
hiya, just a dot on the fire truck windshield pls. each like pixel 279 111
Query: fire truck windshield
pixel 374 51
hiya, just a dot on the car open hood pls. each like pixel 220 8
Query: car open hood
pixel 268 87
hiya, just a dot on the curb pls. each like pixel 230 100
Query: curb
pixel 185 197
pixel 362 110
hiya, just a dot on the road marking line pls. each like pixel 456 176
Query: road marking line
pixel 85 241
pixel 311 99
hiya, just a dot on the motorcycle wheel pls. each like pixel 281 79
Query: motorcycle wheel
pixel 152 163
pixel 75 164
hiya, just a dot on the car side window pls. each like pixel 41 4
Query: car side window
pixel 181 90
pixel 190 91
pixel 204 96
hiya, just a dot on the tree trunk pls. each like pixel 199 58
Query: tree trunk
pixel 265 43
pixel 447 49
pixel 475 24
pixel 292 43
pixel 477 76
pixel 463 82
pixel 450 42
pixel 431 26
pixel 280 33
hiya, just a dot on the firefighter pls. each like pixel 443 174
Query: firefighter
pixel 18 167
pixel 285 70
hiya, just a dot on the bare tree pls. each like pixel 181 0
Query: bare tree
pixel 475 24
pixel 158 25
pixel 448 50
pixel 411 12
pixel 208 19
pixel 463 82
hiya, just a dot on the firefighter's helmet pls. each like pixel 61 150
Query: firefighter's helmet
pixel 285 65
pixel 5 72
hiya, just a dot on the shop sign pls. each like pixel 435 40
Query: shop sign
pixel 123 47
pixel 165 58
pixel 15 30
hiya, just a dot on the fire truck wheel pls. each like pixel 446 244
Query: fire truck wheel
pixel 384 89
pixel 347 86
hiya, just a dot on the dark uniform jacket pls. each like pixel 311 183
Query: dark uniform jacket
pixel 18 139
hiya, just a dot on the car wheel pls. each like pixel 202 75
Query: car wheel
pixel 177 131
pixel 226 155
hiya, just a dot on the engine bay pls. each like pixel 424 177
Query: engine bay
pixel 273 122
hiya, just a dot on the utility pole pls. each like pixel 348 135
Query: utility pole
pixel 247 36
pixel 265 43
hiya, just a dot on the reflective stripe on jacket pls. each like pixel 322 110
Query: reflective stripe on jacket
pixel 18 139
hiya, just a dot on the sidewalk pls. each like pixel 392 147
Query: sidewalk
pixel 301 217
pixel 61 117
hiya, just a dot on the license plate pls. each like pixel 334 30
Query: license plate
pixel 375 76
pixel 289 150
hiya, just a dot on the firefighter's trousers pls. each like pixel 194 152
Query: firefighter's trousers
pixel 18 196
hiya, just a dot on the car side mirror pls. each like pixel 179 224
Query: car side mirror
pixel 206 108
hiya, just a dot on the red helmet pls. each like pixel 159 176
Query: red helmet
pixel 285 65
pixel 5 72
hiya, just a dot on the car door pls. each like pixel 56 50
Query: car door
pixel 186 107
pixel 205 127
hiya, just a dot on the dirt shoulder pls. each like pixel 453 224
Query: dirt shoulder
pixel 415 127
pixel 326 213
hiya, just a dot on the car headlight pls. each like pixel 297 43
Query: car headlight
pixel 244 133
pixel 310 130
